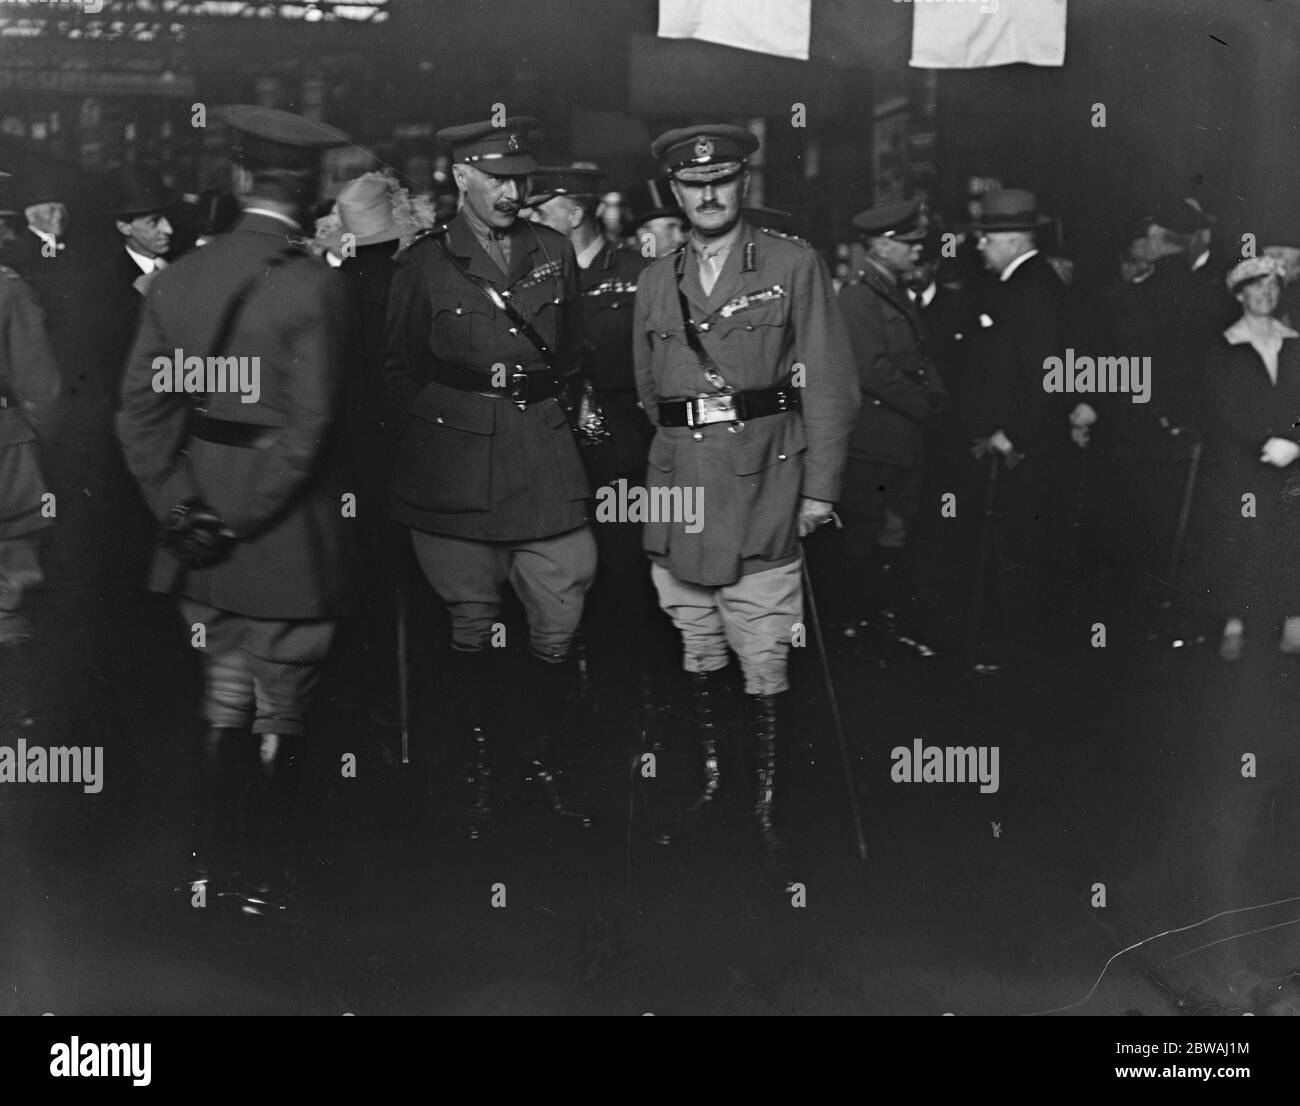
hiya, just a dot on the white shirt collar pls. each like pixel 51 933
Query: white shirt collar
pixel 927 294
pixel 1201 261
pixel 590 253
pixel 273 215
pixel 146 264
pixel 1006 273
pixel 1142 276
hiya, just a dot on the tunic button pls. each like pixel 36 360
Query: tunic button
pixel 698 436
pixel 459 311
pixel 438 420
pixel 705 326
pixel 750 326
pixel 780 456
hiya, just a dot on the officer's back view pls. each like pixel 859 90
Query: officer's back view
pixel 231 449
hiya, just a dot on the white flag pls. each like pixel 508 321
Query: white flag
pixel 972 34
pixel 780 27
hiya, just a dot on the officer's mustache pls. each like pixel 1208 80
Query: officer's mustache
pixel 711 205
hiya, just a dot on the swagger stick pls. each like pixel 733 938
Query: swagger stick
pixel 403 675
pixel 835 709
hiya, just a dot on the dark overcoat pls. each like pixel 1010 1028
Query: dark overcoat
pixel 284 499
pixel 29 385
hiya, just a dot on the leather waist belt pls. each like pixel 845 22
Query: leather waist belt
pixel 242 435
pixel 731 407
pixel 523 388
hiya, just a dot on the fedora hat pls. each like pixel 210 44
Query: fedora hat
pixel 374 208
pixel 1010 209
pixel 136 190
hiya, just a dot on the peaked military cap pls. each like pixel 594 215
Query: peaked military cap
pixel 549 181
pixel 274 139
pixel 901 221
pixel 505 151
pixel 705 152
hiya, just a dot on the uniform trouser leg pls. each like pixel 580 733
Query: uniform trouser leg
pixel 755 617
pixel 259 675
pixel 551 577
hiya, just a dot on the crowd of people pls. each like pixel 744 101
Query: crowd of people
pixel 454 398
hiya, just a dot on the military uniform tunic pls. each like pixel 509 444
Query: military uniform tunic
pixel 771 311
pixel 470 465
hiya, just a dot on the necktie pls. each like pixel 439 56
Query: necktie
pixel 498 249
pixel 709 268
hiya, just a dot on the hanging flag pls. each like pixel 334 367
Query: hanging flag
pixel 780 27
pixel 974 34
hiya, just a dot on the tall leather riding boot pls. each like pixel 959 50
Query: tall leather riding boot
pixel 475 694
pixel 221 783
pixel 273 844
pixel 706 692
pixel 763 725
pixel 553 686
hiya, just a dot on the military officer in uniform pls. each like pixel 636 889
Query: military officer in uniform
pixel 900 390
pixel 743 365
pixel 484 337
pixel 614 433
pixel 256 542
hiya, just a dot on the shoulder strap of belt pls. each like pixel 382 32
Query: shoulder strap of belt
pixel 231 315
pixel 707 365
pixel 502 304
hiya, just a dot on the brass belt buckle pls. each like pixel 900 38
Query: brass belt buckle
pixel 716 409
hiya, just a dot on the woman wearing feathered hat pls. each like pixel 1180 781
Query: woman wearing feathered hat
pixel 1249 509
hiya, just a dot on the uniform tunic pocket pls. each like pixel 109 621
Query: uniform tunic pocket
pixel 444 459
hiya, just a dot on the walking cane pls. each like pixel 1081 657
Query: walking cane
pixel 1185 511
pixel 403 675
pixel 981 572
pixel 835 709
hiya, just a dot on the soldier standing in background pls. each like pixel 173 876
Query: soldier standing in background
pixel 900 390
pixel 743 365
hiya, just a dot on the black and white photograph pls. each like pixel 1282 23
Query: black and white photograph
pixel 651 508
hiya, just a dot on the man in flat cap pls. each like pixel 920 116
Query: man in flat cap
pixel 900 390
pixel 744 366
pixel 616 436
pixel 233 450
pixel 484 335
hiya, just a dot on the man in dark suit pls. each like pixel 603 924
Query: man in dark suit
pixel 1020 427
pixel 900 389
pixel 484 335
pixel 238 468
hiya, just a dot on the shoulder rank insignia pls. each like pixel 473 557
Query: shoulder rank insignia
pixel 787 237
pixel 751 299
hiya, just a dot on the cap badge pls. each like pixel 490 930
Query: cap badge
pixel 512 143
pixel 703 147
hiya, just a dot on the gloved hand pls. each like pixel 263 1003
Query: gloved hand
pixel 195 535
pixel 1279 452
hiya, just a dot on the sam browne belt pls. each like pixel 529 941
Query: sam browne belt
pixel 728 407
pixel 523 388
